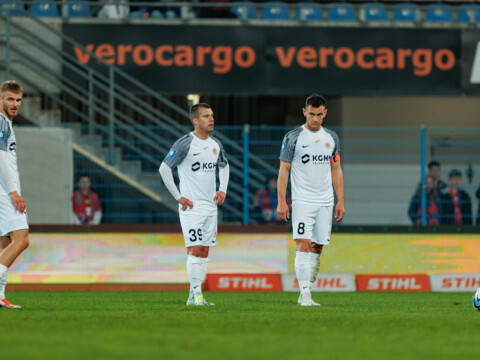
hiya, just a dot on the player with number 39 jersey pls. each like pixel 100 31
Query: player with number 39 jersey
pixel 311 153
pixel 197 156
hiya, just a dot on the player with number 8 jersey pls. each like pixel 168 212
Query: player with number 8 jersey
pixel 312 154
pixel 197 155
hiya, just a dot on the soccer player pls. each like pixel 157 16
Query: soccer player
pixel 196 156
pixel 312 152
pixel 13 215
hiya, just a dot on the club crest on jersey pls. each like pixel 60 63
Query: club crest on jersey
pixel 328 145
pixel 171 154
pixel 215 151
pixel 2 136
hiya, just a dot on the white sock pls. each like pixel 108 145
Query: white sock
pixel 314 267
pixel 204 267
pixel 302 268
pixel 3 280
pixel 194 271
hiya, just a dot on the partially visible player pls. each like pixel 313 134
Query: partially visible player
pixel 13 215
pixel 312 152
pixel 197 156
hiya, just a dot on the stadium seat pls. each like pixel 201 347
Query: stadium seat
pixel 138 14
pixel 44 10
pixel 306 12
pixel 79 8
pixel 468 13
pixel 373 11
pixel 244 10
pixel 275 10
pixel 438 13
pixel 15 8
pixel 341 11
pixel 406 12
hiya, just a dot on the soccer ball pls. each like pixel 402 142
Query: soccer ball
pixel 476 300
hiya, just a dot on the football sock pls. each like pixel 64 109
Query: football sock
pixel 194 271
pixel 302 269
pixel 314 267
pixel 204 262
pixel 3 280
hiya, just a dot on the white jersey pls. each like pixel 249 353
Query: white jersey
pixel 310 155
pixel 8 144
pixel 197 161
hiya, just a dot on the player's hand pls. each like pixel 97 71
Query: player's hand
pixel 283 211
pixel 18 202
pixel 219 198
pixel 339 212
pixel 185 203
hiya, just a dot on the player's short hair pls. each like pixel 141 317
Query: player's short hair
pixel 12 86
pixel 194 109
pixel 433 163
pixel 454 173
pixel 315 100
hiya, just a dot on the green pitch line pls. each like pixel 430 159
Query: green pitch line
pixel 96 325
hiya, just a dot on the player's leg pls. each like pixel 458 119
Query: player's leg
pixel 302 222
pixel 17 242
pixel 315 260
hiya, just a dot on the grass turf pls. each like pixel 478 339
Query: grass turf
pixel 138 325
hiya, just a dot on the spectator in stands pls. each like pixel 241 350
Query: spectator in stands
pixel 159 12
pixel 266 202
pixel 434 169
pixel 216 12
pixel 433 206
pixel 115 9
pixel 86 206
pixel 456 203
pixel 478 213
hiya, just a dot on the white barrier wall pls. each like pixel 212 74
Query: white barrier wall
pixel 45 161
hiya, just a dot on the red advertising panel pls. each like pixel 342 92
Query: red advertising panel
pixel 244 282
pixel 410 282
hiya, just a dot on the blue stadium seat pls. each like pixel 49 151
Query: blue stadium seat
pixel 406 12
pixel 138 14
pixel 44 10
pixel 438 13
pixel 341 11
pixel 307 12
pixel 244 10
pixel 468 13
pixel 79 8
pixel 14 8
pixel 275 10
pixel 373 11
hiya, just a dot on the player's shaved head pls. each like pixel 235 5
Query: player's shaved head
pixel 194 109
pixel 316 101
pixel 10 86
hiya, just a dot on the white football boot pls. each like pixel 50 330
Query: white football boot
pixel 200 301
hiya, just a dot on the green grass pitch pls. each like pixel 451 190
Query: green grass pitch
pixel 146 325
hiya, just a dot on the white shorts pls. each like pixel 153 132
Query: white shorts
pixel 10 218
pixel 199 229
pixel 312 222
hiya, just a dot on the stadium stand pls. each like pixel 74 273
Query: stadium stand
pixel 16 8
pixel 244 10
pixel 79 9
pixel 374 12
pixel 307 12
pixel 468 13
pixel 439 13
pixel 406 12
pixel 275 10
pixel 341 11
pixel 43 10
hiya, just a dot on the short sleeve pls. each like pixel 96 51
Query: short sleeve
pixel 288 145
pixel 335 157
pixel 222 156
pixel 4 134
pixel 179 151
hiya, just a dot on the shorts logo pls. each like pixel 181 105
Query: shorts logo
pixel 305 158
pixel 328 145
pixel 196 166
pixel 171 154
pixel 2 135
pixel 215 151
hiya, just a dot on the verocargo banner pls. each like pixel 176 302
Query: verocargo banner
pixel 275 60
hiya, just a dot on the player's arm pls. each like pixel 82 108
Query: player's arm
pixel 224 176
pixel 337 180
pixel 7 176
pixel 282 208
pixel 167 177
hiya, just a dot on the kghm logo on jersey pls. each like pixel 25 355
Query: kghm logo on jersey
pixel 204 167
pixel 316 159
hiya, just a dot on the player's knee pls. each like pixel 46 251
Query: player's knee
pixel 303 245
pixel 24 242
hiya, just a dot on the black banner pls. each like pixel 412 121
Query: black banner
pixel 276 60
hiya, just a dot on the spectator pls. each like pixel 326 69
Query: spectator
pixel 86 205
pixel 457 206
pixel 433 207
pixel 434 169
pixel 216 11
pixel 116 9
pixel 267 202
